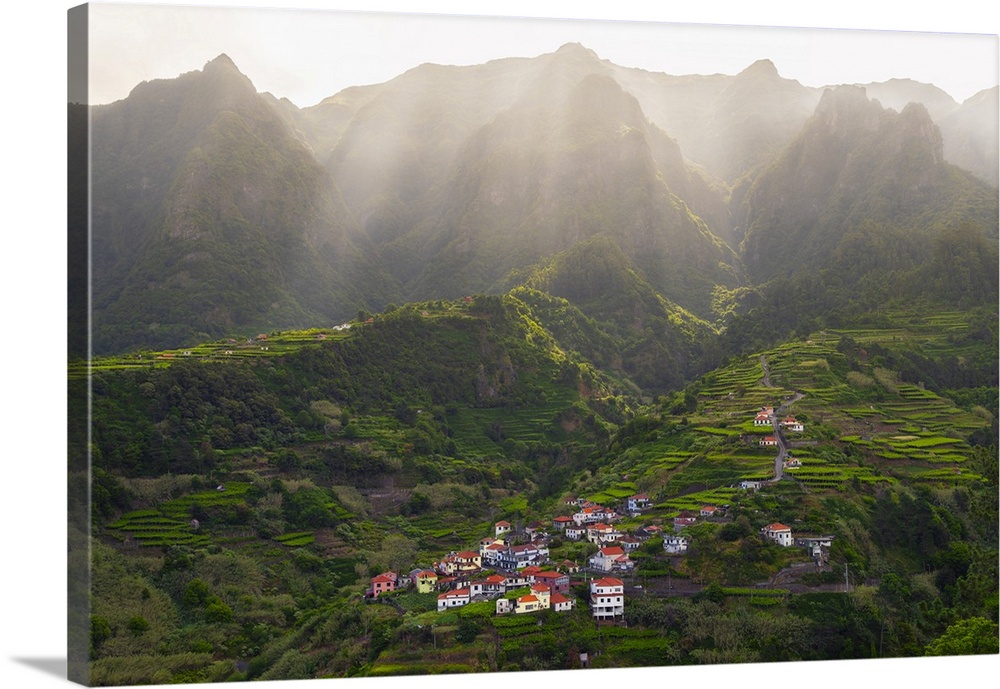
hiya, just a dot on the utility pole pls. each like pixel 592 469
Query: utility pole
pixel 847 581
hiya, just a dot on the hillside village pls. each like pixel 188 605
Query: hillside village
pixel 512 566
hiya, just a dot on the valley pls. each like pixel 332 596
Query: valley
pixel 542 363
pixel 286 531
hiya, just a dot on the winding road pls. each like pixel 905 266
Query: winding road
pixel 779 461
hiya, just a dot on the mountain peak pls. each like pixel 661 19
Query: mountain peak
pixel 761 68
pixel 222 62
pixel 576 51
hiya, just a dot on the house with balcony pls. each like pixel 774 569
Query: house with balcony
pixel 674 544
pixel 557 582
pixel 607 598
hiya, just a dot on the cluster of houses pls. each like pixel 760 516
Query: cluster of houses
pixel 789 423
pixel 817 546
pixel 517 560
pixel 513 559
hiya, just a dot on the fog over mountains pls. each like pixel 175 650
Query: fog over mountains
pixel 219 210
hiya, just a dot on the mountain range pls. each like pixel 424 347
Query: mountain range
pixel 218 210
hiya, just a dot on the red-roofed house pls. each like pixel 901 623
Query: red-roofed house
pixel 562 522
pixel 791 424
pixel 762 419
pixel 560 603
pixel 500 528
pixel 637 502
pixel 527 603
pixel 425 581
pixel 607 598
pixel 611 559
pixel 555 581
pixel 382 583
pixel 768 441
pixel 454 599
pixel 709 510
pixel 464 562
pixel 779 533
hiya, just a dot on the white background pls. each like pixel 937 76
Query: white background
pixel 33 255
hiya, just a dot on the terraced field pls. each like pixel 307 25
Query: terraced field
pixel 170 523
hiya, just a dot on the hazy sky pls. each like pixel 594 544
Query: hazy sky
pixel 307 55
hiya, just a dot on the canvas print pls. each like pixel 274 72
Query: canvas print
pixel 425 344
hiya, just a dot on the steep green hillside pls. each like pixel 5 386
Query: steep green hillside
pixel 209 215
pixel 244 492
pixel 856 164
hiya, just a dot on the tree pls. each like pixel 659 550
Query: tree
pixel 973 636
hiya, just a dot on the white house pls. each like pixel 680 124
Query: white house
pixel 562 522
pixel 768 441
pixel 675 544
pixel 500 528
pixel 708 511
pixel 762 419
pixel 560 603
pixel 602 533
pixel 611 559
pixel 748 484
pixel 789 423
pixel 607 598
pixel 779 533
pixel 454 599
pixel 575 533
pixel 638 502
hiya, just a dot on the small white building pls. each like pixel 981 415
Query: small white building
pixel 611 559
pixel 674 545
pixel 779 533
pixel 638 502
pixel 560 603
pixel 455 598
pixel 789 423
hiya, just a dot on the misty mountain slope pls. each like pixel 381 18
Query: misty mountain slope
pixel 726 124
pixel 971 138
pixel 558 167
pixel 657 343
pixel 854 163
pixel 898 93
pixel 235 226
pixel 218 210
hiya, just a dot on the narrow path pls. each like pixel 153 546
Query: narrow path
pixel 783 446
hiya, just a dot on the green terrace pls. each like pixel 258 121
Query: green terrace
pixel 170 523
pixel 693 502
pixel 262 345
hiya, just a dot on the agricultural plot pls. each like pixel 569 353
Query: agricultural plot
pixel 272 345
pixel 171 523
pixel 695 501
